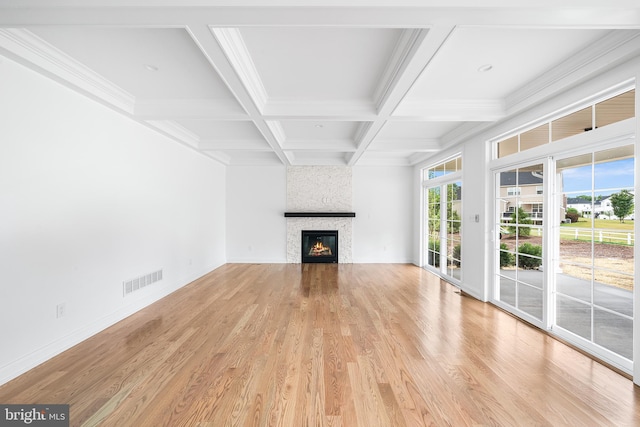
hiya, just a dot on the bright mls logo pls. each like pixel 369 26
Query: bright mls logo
pixel 34 415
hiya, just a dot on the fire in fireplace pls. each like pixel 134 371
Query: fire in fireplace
pixel 320 246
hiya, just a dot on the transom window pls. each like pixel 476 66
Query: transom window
pixel 597 115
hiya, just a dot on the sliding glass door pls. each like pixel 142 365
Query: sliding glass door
pixel 519 274
pixel 564 254
pixel 594 274
pixel 443 225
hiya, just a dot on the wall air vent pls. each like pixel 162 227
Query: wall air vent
pixel 140 282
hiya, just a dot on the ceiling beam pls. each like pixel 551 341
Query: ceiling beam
pixel 421 47
pixel 217 57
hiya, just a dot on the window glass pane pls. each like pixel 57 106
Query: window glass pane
pixel 613 332
pixel 521 205
pixel 530 300
pixel 507 291
pixel 575 281
pixel 573 316
pixel 451 166
pixel 433 224
pixel 572 124
pixel 616 109
pixel 596 265
pixel 614 176
pixel 534 137
pixel 435 172
pixel 613 291
pixel 576 174
pixel 508 146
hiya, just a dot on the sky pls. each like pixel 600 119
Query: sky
pixel 609 178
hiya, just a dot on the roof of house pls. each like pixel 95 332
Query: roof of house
pixel 523 178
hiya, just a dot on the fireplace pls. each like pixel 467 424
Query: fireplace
pixel 319 246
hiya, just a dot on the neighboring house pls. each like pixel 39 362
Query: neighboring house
pixel 525 190
pixel 602 209
pixel 584 207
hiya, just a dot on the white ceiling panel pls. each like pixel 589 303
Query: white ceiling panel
pixel 319 130
pixel 516 57
pixel 154 63
pixel 325 63
pixel 408 129
pixel 311 82
pixel 220 129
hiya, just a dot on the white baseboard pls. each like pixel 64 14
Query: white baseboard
pixel 30 361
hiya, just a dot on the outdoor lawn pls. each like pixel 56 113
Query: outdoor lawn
pixel 611 253
pixel 610 224
pixel 604 231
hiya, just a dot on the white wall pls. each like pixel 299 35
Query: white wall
pixel 382 200
pixel 256 202
pixel 383 227
pixel 89 199
pixel 476 238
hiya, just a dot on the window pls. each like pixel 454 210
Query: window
pixel 595 274
pixel 513 191
pixel 519 281
pixel 442 169
pixel 443 219
pixel 609 111
pixel 564 228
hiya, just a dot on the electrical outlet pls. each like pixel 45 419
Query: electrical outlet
pixel 60 310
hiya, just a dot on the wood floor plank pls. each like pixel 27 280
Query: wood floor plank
pixel 326 345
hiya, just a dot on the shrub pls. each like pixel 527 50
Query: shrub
pixel 507 259
pixel 572 216
pixel 457 255
pixel 528 262
pixel 434 253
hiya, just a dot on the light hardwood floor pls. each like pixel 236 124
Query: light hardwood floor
pixel 326 345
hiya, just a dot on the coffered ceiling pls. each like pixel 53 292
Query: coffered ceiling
pixel 309 82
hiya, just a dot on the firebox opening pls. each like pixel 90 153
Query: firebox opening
pixel 320 246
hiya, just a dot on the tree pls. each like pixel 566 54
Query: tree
pixel 622 204
pixel 520 217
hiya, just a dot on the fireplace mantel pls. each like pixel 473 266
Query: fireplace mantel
pixel 320 214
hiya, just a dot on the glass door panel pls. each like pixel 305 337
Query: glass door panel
pixel 433 226
pixel 520 197
pixel 454 229
pixel 443 240
pixel 595 273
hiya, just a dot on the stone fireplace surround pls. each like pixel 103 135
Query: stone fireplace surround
pixel 319 189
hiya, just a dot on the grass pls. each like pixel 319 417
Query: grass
pixel 602 224
pixel 604 231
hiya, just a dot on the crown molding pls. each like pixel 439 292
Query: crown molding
pixel 418 158
pixel 176 131
pixel 212 109
pixel 611 50
pixel 448 110
pixel 234 144
pixel 378 159
pixel 39 55
pixel 233 46
pixel 220 157
pixel 421 145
